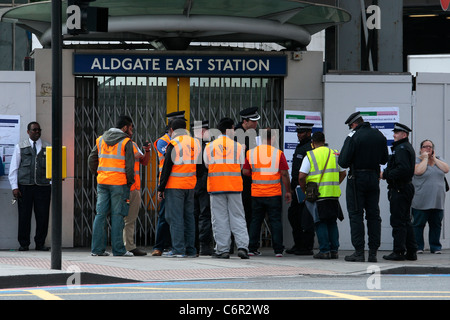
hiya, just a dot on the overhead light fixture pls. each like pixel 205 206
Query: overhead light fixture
pixel 422 15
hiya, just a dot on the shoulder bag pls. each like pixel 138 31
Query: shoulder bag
pixel 312 188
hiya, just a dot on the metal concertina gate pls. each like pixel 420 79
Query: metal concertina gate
pixel 101 99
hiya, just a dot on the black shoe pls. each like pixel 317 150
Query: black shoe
pixel 334 255
pixel 138 252
pixel 372 256
pixel 395 257
pixel 224 255
pixel 292 250
pixel 411 255
pixel 243 254
pixel 355 257
pixel 322 255
pixel 304 253
pixel 42 248
pixel 23 248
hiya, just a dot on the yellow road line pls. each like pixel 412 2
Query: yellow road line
pixel 45 295
pixel 339 295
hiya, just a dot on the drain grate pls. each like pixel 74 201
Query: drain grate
pixel 417 270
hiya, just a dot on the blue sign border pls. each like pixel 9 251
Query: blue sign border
pixel 261 65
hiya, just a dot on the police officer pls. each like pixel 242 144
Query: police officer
pixel 364 150
pixel 163 239
pixel 245 133
pixel 202 210
pixel 398 174
pixel 302 226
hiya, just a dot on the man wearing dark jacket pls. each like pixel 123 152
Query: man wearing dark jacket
pixel 299 218
pixel 112 159
pixel 364 150
pixel 398 174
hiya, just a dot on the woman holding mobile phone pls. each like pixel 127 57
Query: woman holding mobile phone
pixel 429 197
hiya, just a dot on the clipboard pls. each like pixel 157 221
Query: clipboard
pixel 300 195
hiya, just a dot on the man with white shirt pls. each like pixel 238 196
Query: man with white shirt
pixel 30 187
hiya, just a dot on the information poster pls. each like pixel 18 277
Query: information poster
pixel 9 137
pixel 292 117
pixel 383 119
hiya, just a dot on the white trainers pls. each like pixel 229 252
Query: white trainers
pixel 128 254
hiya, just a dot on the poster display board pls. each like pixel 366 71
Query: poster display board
pixel 291 117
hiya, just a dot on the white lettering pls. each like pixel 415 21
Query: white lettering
pixel 115 64
pixel 126 64
pixel 73 21
pixel 96 64
pixel 211 67
pixel 169 64
pixel 374 21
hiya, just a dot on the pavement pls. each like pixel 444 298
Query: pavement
pixel 34 268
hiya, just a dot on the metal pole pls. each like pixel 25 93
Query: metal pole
pixel 56 135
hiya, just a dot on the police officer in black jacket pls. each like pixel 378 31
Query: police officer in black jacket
pixel 364 150
pixel 398 174
pixel 245 133
pixel 299 219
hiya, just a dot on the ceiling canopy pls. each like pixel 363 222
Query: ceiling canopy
pixel 174 24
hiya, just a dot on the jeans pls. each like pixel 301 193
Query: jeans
pixel 434 218
pixel 162 240
pixel 180 216
pixel 271 206
pixel 111 199
pixel 327 235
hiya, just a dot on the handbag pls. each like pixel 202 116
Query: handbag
pixel 312 188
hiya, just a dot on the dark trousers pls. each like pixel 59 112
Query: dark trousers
pixel 37 198
pixel 302 225
pixel 402 229
pixel 271 206
pixel 363 196
pixel 202 214
pixel 162 239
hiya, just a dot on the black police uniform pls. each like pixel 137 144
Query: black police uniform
pixel 398 174
pixel 202 207
pixel 252 114
pixel 364 150
pixel 299 219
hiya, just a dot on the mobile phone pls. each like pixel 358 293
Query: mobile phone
pixel 146 143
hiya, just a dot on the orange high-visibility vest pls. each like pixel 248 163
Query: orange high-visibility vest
pixel 266 177
pixel 184 155
pixel 111 162
pixel 137 177
pixel 160 155
pixel 224 167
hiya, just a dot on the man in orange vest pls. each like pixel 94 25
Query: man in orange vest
pixel 112 159
pixel 162 239
pixel 135 200
pixel 224 159
pixel 268 168
pixel 177 183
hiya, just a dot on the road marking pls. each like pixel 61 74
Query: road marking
pixel 44 295
pixel 339 295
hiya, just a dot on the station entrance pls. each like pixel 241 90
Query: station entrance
pixel 99 100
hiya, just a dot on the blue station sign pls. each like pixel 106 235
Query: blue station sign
pixel 180 65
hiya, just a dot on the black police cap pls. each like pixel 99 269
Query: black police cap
pixel 250 113
pixel 176 115
pixel 301 127
pixel 200 124
pixel 401 127
pixel 353 117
